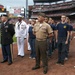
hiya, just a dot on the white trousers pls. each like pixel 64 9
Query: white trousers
pixel 28 45
pixel 20 44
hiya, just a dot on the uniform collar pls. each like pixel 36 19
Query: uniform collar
pixel 20 22
pixel 41 23
pixel 5 22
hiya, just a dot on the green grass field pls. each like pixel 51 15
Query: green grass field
pixel 14 39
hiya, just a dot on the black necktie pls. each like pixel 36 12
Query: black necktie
pixel 19 25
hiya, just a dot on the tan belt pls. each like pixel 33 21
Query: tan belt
pixel 40 39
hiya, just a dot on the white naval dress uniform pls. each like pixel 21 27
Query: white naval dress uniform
pixel 29 48
pixel 21 34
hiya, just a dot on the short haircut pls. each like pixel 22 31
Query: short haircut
pixel 47 17
pixel 42 14
pixel 63 16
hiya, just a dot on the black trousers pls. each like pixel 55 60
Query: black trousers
pixel 51 46
pixel 67 49
pixel 6 51
pixel 61 48
pixel 41 53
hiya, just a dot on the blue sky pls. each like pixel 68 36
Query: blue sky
pixel 15 3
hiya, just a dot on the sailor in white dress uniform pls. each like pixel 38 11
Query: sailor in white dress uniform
pixel 21 34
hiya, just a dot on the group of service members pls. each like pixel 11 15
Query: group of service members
pixel 43 37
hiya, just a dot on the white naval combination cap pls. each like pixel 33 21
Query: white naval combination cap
pixel 30 19
pixel 19 16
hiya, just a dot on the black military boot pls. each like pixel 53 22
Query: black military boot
pixel 36 67
pixel 45 70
